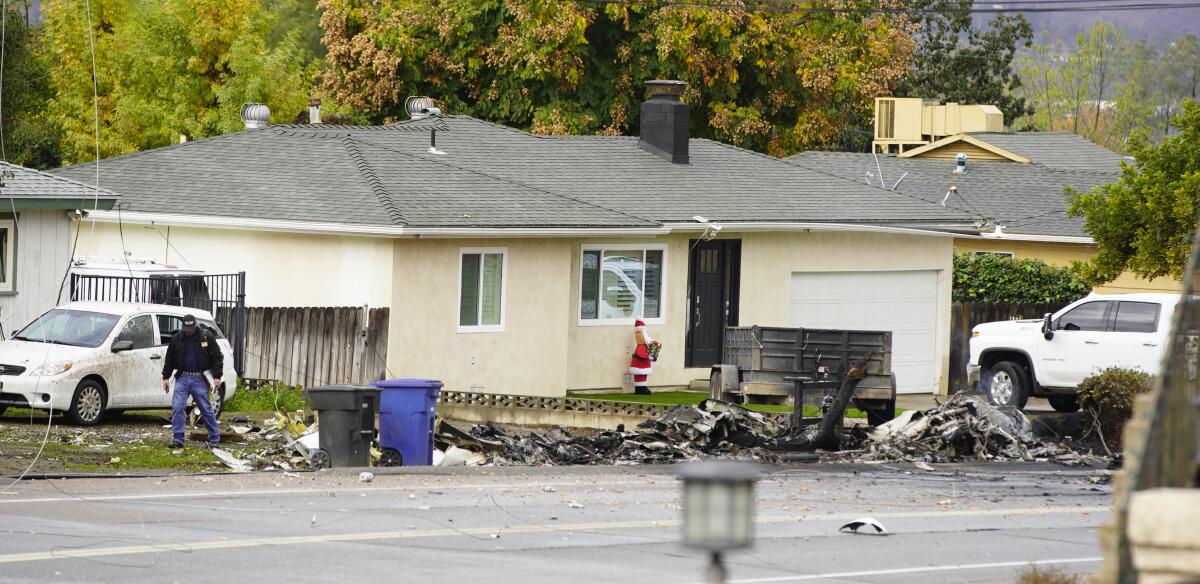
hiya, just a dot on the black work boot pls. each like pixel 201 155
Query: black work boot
pixel 641 390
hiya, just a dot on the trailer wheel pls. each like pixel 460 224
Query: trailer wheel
pixel 716 386
pixel 880 411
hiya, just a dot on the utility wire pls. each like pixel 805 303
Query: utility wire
pixel 792 6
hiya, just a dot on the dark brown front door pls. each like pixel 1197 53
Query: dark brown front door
pixel 714 268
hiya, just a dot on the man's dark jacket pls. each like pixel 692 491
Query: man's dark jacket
pixel 209 358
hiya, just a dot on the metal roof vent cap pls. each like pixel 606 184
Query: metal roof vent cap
pixel 667 89
pixel 255 115
pixel 961 163
pixel 420 107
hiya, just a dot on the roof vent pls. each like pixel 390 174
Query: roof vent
pixel 664 121
pixel 255 116
pixel 420 107
pixel 961 160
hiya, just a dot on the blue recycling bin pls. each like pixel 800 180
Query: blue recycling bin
pixel 406 411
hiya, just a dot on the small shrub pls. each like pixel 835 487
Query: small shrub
pixel 1036 575
pixel 1108 397
pixel 274 398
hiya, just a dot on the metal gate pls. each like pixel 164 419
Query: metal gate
pixel 223 295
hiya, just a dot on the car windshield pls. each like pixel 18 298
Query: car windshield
pixel 78 328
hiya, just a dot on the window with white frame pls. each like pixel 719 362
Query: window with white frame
pixel 481 289
pixel 620 283
pixel 1007 254
pixel 7 256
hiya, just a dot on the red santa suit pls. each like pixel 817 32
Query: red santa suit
pixel 640 365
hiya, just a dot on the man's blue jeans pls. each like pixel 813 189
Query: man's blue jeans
pixel 197 387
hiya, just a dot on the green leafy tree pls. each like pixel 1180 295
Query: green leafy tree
pixel 777 81
pixel 1145 221
pixel 996 279
pixel 960 62
pixel 1107 88
pixel 27 137
pixel 167 69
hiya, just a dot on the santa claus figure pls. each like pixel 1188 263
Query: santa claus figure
pixel 641 365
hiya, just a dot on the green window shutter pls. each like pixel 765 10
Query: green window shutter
pixel 653 288
pixel 468 302
pixel 589 285
pixel 492 289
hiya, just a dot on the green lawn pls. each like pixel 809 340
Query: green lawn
pixel 692 398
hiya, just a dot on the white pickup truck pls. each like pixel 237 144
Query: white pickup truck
pixel 1049 357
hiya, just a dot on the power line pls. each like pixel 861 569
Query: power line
pixel 793 6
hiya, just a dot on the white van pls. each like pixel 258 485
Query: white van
pixel 88 358
pixel 139 280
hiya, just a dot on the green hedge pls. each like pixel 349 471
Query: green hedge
pixel 997 279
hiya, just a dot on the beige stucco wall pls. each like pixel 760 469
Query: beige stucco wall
pixel 599 355
pixel 544 349
pixel 769 259
pixel 282 269
pixel 528 357
pixel 1062 254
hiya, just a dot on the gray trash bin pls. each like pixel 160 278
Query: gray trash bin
pixel 346 414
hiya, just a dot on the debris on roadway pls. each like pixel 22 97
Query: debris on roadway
pixel 967 427
pixel 713 428
pixel 865 521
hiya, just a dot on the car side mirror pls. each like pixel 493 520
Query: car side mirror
pixel 120 346
pixel 1047 327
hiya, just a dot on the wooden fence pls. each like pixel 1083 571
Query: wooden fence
pixel 316 346
pixel 964 317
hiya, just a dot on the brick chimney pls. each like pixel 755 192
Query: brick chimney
pixel 664 121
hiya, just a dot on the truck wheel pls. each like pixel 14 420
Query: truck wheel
pixel 1008 386
pixel 87 407
pixel 1064 403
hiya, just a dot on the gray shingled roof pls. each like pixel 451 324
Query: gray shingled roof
pixel 27 184
pixel 490 176
pixel 1024 198
pixel 1056 150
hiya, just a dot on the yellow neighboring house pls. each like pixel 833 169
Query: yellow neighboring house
pixel 1012 182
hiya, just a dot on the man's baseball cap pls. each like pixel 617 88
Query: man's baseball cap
pixel 189 320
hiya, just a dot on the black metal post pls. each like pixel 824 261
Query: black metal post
pixel 239 360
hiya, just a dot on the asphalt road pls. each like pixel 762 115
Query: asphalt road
pixel 976 523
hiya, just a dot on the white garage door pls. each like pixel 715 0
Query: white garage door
pixel 902 302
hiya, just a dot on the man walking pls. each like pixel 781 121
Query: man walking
pixel 191 354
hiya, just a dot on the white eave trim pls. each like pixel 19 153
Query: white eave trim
pixel 219 222
pixel 1003 236
pixel 396 231
pixel 323 228
pixel 751 227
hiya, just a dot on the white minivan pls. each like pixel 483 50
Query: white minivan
pixel 89 358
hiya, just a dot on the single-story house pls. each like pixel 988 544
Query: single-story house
pixel 1013 181
pixel 39 222
pixel 517 264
